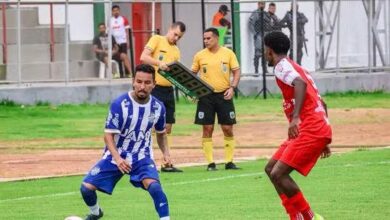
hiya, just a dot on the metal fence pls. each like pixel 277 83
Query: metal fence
pixel 52 40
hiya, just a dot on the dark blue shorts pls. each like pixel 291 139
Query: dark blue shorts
pixel 105 175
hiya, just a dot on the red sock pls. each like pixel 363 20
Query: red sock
pixel 290 209
pixel 300 204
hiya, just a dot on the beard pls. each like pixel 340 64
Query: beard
pixel 141 95
pixel 271 63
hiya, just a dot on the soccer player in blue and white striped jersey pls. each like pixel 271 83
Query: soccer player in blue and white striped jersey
pixel 127 135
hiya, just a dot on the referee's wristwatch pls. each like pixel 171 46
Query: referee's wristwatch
pixel 234 87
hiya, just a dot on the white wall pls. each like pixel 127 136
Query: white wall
pixel 80 18
pixel 353 34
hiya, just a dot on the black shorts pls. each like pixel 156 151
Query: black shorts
pixel 165 95
pixel 101 56
pixel 213 104
pixel 122 48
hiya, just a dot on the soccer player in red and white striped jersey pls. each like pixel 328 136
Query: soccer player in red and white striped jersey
pixel 309 132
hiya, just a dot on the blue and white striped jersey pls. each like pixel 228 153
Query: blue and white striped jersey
pixel 132 124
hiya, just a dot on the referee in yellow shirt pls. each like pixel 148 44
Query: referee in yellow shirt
pixel 159 51
pixel 215 64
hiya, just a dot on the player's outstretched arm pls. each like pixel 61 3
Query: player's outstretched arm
pixel 163 145
pixel 122 164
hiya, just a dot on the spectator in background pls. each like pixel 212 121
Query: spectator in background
pixel 119 28
pixel 100 47
pixel 287 21
pixel 271 21
pixel 256 27
pixel 219 19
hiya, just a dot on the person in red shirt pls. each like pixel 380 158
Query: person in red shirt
pixel 309 132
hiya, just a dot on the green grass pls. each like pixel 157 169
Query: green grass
pixel 347 186
pixel 44 121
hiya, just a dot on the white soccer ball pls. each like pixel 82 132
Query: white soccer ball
pixel 73 218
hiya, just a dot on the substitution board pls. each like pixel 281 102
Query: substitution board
pixel 186 81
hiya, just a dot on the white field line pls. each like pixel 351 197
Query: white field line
pixel 194 181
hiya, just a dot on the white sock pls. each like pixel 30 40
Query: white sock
pixel 165 218
pixel 95 209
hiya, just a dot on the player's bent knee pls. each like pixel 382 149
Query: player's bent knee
pixel 147 182
pixel 88 186
pixel 275 175
pixel 268 169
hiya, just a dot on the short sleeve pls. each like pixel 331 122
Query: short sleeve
pixel 126 23
pixel 160 124
pixel 233 61
pixel 114 119
pixel 195 64
pixel 96 41
pixel 152 43
pixel 285 72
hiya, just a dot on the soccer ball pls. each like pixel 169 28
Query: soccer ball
pixel 73 218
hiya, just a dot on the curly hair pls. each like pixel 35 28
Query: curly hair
pixel 278 42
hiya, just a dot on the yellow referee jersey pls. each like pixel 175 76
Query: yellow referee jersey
pixel 164 51
pixel 215 68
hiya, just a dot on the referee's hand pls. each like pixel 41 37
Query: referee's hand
pixel 228 93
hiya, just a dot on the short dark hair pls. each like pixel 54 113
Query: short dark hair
pixel 146 68
pixel 271 4
pixel 223 8
pixel 278 42
pixel 179 24
pixel 101 23
pixel 212 30
pixel 115 6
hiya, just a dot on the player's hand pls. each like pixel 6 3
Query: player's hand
pixel 167 159
pixel 326 152
pixel 163 66
pixel 123 165
pixel 293 128
pixel 228 93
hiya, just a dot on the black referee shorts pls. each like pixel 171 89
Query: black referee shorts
pixel 213 104
pixel 166 96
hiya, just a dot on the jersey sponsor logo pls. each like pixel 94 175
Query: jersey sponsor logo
pixel 200 115
pixel 232 115
pixel 137 136
pixel 95 171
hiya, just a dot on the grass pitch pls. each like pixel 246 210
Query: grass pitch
pixel 346 186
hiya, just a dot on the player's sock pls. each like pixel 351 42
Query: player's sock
pixel 290 209
pixel 300 203
pixel 90 198
pixel 160 199
pixel 207 144
pixel 229 145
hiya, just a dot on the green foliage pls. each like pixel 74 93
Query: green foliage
pixel 345 186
